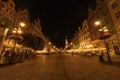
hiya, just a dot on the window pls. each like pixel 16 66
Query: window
pixel 114 5
pixel 117 15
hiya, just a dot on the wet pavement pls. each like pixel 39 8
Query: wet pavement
pixel 62 67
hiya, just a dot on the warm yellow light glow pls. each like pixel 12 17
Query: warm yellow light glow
pixel 19 31
pixel 100 29
pixel 97 23
pixel 49 43
pixel 71 43
pixel 105 27
pixel 89 46
pixel 54 46
pixel 105 30
pixel 6 30
pixel 14 31
pixel 22 24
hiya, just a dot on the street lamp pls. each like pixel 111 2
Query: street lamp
pixel 16 32
pixel 22 24
pixel 71 45
pixel 104 34
pixel 97 23
pixel 16 36
pixel 49 43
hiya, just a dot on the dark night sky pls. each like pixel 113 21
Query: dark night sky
pixel 59 18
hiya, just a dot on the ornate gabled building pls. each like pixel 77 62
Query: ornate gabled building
pixel 66 43
pixel 103 15
pixel 91 23
pixel 94 30
pixel 114 9
pixel 108 14
pixel 75 40
pixel 82 37
pixel 7 9
pixel 22 16
pixel 36 29
pixel 86 31
pixel 7 14
pixel 31 27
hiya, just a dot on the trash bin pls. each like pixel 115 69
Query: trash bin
pixel 101 58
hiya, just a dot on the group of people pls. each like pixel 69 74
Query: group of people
pixel 10 56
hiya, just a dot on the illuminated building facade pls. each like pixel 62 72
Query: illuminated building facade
pixel 86 37
pixel 108 13
pixel 93 28
pixel 82 37
pixel 103 15
pixel 114 9
pixel 8 14
pixel 66 42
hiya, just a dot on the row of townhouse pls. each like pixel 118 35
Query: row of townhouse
pixel 108 13
pixel 10 18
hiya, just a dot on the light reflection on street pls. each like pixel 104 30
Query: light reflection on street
pixel 43 58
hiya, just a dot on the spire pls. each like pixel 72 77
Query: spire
pixel 66 42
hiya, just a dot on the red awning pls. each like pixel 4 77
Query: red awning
pixel 104 36
pixel 16 37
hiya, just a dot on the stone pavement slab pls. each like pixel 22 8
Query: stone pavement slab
pixel 61 67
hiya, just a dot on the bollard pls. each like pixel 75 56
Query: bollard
pixel 101 58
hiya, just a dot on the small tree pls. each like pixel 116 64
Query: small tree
pixel 5 22
pixel 32 41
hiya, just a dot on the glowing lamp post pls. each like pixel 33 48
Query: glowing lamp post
pixel 104 34
pixel 71 45
pixel 16 36
pixel 97 23
pixel 22 24
pixel 49 43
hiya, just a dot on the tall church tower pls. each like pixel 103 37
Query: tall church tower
pixel 66 42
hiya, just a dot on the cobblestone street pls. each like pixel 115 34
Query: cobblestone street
pixel 61 67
